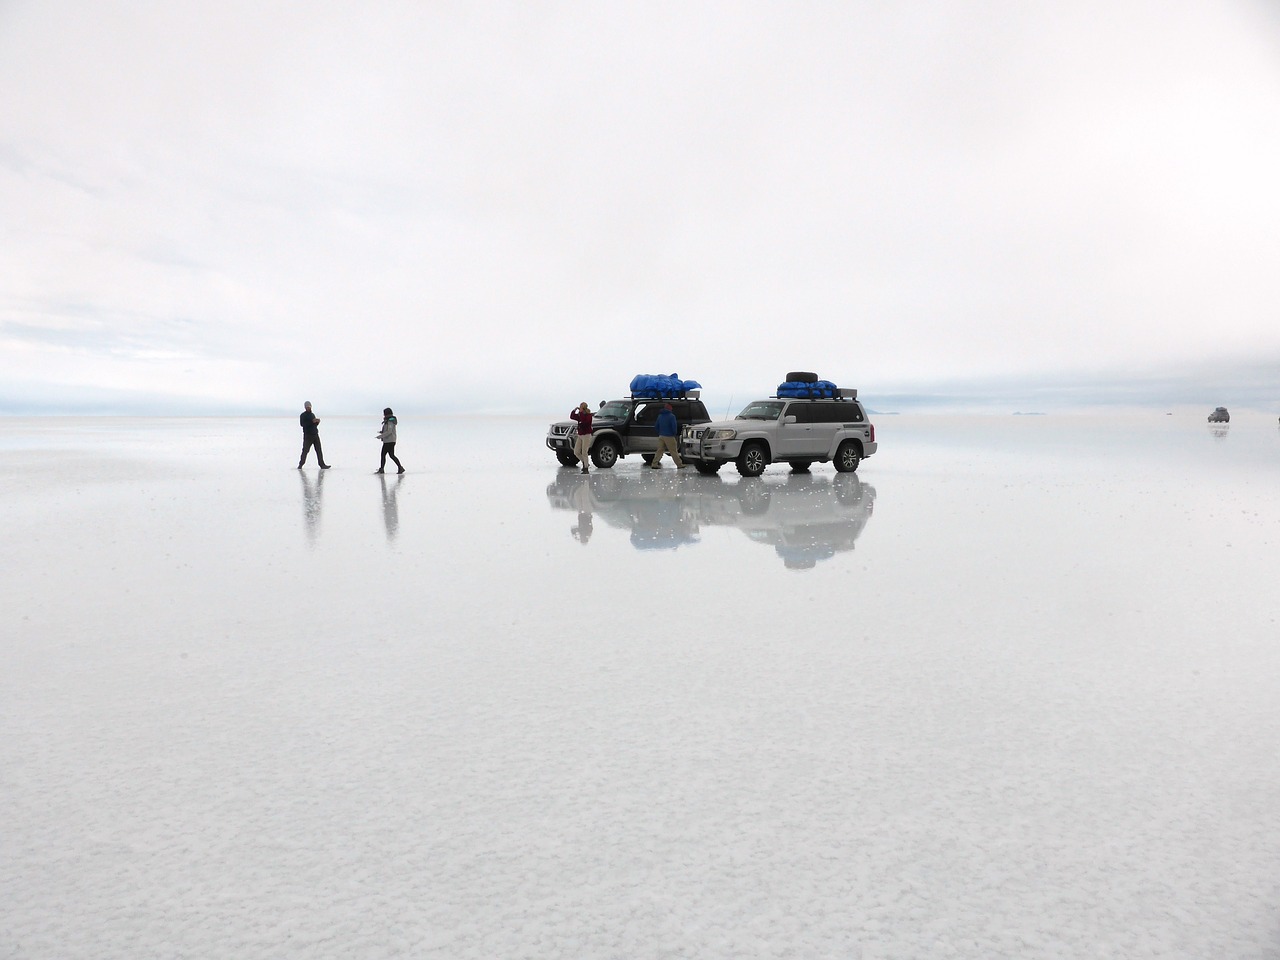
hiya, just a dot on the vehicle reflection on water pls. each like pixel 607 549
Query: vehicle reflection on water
pixel 806 518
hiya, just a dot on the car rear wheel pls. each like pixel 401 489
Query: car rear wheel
pixel 848 457
pixel 752 460
pixel 707 469
pixel 801 466
pixel 605 453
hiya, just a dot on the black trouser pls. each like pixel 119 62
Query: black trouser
pixel 389 450
pixel 308 441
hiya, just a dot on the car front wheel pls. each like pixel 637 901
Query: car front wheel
pixel 566 458
pixel 752 460
pixel 848 457
pixel 604 454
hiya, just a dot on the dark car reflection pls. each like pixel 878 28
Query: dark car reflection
pixel 806 518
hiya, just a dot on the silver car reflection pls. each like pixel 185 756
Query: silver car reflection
pixel 806 518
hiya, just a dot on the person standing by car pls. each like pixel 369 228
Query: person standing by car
pixel 310 436
pixel 582 445
pixel 668 428
pixel 388 437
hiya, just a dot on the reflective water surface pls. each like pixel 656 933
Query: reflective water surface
pixel 1009 690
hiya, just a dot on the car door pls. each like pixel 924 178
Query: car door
pixel 794 438
pixel 643 435
pixel 829 420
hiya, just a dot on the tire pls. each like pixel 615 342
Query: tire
pixel 753 459
pixel 566 458
pixel 801 466
pixel 802 376
pixel 707 469
pixel 848 457
pixel 605 453
pixel 647 458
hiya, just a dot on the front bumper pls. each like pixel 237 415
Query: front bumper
pixel 561 442
pixel 709 451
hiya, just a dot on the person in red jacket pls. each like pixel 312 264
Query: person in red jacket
pixel 582 445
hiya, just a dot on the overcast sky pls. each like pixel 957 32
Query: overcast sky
pixel 241 205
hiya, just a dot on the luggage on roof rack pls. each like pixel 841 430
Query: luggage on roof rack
pixel 807 390
pixel 656 385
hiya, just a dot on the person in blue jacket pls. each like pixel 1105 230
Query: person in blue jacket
pixel 668 427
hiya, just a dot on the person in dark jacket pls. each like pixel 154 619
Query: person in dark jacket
pixel 388 437
pixel 310 436
pixel 582 445
pixel 668 427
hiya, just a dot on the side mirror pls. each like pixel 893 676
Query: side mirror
pixel 790 418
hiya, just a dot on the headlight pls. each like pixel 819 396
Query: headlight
pixel 721 434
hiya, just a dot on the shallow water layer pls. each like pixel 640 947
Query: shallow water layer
pixel 1007 691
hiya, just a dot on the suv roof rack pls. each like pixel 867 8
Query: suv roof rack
pixel 842 393
pixel 683 395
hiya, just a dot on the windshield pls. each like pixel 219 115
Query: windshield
pixel 762 410
pixel 614 410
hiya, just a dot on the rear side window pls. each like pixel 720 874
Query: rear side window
pixel 837 413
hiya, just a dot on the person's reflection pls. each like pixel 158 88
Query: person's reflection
pixel 390 507
pixel 581 498
pixel 312 489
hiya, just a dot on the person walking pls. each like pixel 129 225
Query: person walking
pixel 388 437
pixel 582 445
pixel 310 436
pixel 668 427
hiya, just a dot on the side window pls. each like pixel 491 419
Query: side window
pixel 647 415
pixel 803 412
pixel 841 413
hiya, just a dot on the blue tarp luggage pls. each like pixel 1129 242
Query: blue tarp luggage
pixel 661 385
pixel 803 390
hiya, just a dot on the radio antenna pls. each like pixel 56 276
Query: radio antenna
pixel 729 408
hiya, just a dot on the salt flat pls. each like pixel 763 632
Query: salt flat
pixel 1010 691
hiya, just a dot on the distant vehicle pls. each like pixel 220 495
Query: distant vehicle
pixel 1220 415
pixel 625 426
pixel 830 428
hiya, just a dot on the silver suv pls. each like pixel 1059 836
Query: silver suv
pixel 784 430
